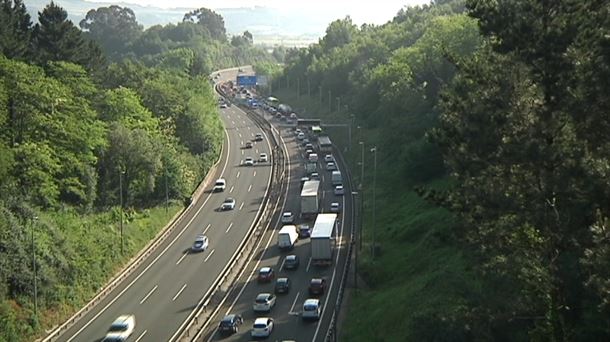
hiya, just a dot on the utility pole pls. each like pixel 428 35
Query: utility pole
pixel 374 150
pixel 34 220
pixel 320 90
pixel 166 192
pixel 338 103
pixel 121 204
pixel 357 225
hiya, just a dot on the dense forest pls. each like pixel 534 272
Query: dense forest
pixel 490 123
pixel 100 126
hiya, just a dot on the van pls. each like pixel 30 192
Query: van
pixel 313 157
pixel 287 237
pixel 336 178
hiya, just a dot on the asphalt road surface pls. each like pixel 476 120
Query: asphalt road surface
pixel 163 291
pixel 288 325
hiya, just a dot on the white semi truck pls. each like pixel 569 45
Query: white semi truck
pixel 310 198
pixel 322 239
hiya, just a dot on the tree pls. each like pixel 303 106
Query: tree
pixel 209 19
pixel 57 39
pixel 15 29
pixel 115 28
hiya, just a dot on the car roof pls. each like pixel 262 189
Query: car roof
pixel 312 301
pixel 261 320
pixel 287 213
pixel 265 269
pixel 229 318
pixel 317 280
pixel 282 280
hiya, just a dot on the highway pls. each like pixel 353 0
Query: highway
pixel 288 325
pixel 165 288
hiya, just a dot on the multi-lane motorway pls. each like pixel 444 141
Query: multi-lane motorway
pixel 165 288
pixel 288 325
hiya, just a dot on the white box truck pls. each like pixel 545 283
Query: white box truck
pixel 287 237
pixel 310 198
pixel 322 239
pixel 336 177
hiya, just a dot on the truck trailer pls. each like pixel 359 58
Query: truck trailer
pixel 310 198
pixel 322 239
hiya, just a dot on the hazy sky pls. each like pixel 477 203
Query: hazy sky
pixel 369 11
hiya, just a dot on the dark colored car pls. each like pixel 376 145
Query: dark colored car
pixel 291 262
pixel 316 286
pixel 248 144
pixel 304 231
pixel 282 285
pixel 230 323
pixel 265 274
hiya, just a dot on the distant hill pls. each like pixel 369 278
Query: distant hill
pixel 268 25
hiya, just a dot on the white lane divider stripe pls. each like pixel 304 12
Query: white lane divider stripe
pixel 230 191
pixel 179 292
pixel 142 335
pixel 291 312
pixel 230 225
pixel 206 228
pixel 181 258
pixel 308 264
pixel 250 188
pixel 209 255
pixel 238 173
pixel 149 293
pixel 254 175
pixel 241 206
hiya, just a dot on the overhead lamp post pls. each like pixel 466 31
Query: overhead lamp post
pixel 358 226
pixel 34 220
pixel 374 150
pixel 121 172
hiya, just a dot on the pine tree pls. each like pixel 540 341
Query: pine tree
pixel 15 29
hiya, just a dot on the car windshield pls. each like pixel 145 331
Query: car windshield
pixel 260 326
pixel 261 300
pixel 118 327
pixel 310 307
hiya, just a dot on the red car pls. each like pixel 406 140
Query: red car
pixel 265 274
pixel 316 286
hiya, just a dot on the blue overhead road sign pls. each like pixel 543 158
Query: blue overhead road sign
pixel 246 81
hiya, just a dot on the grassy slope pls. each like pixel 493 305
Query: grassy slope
pixel 420 275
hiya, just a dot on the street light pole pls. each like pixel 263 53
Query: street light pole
pixel 357 225
pixel 35 218
pixel 121 205
pixel 374 150
pixel 166 192
pixel 361 143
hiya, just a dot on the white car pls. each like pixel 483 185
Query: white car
pixel 220 185
pixel 335 207
pixel 228 204
pixel 287 217
pixel 329 158
pixel 258 137
pixel 311 309
pixel 121 328
pixel 293 116
pixel 315 176
pixel 264 302
pixel 201 243
pixel 301 136
pixel 249 161
pixel 263 158
pixel 330 166
pixel 298 131
pixel 339 191
pixel 263 326
pixel 224 105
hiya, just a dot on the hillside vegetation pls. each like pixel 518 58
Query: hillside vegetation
pixel 490 125
pixel 95 133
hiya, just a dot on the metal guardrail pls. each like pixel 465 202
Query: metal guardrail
pixel 136 260
pixel 193 325
pixel 331 334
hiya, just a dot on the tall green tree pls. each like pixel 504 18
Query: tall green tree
pixel 56 38
pixel 115 28
pixel 209 19
pixel 15 29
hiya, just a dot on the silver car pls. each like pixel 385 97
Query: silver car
pixel 228 204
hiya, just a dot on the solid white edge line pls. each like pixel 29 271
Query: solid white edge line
pixel 186 226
